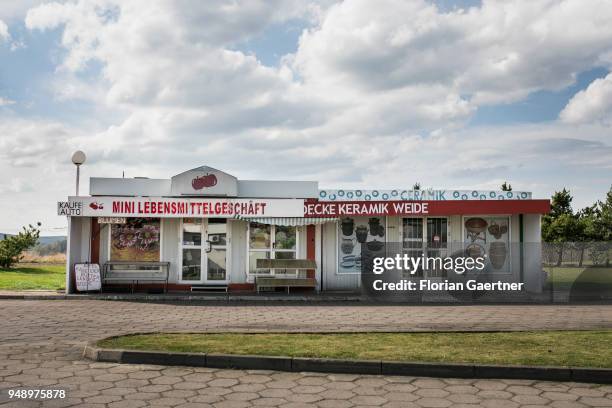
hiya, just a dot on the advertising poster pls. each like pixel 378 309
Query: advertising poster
pixel 136 240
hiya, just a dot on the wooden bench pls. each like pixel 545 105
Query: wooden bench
pixel 283 281
pixel 135 272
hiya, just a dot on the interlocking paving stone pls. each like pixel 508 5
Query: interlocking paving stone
pixel 41 343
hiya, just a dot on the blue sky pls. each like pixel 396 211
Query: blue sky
pixel 345 93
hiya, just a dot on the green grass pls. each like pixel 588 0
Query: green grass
pixel 33 276
pixel 559 348
pixel 564 277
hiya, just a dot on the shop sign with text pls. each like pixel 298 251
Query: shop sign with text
pixel 112 220
pixel 71 208
pixel 317 209
pixel 339 209
pixel 180 207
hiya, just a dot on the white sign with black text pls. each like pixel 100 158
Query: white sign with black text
pixel 112 220
pixel 87 277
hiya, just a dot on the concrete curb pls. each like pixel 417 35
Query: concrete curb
pixel 369 367
pixel 209 298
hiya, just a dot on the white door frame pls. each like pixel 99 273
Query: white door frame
pixel 424 237
pixel 205 249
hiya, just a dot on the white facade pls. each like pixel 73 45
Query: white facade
pixel 211 227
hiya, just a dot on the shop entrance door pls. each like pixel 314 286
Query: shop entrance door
pixel 427 236
pixel 204 248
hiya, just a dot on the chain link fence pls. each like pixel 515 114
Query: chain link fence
pixel 577 254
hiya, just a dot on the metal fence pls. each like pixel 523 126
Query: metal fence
pixel 577 254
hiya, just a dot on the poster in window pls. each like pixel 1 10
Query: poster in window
pixel 352 232
pixel 489 236
pixel 136 240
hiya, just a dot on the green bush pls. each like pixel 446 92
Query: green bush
pixel 12 247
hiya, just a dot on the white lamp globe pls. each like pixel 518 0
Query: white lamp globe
pixel 78 157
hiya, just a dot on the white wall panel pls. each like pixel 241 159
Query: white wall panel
pixel 170 246
pixel 238 251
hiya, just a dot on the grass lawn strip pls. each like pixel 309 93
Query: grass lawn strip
pixel 564 277
pixel 549 348
pixel 33 276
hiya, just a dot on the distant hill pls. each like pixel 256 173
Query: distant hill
pixel 50 240
pixel 41 240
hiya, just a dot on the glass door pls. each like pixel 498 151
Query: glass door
pixel 216 253
pixel 204 247
pixel 191 250
pixel 426 236
pixel 437 243
pixel 412 239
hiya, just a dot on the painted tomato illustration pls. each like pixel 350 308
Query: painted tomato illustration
pixel 207 180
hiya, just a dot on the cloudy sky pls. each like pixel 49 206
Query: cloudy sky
pixel 450 93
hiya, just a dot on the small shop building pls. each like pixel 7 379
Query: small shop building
pixel 204 229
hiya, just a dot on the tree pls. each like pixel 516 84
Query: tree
pixel 561 203
pixel 604 222
pixel 565 228
pixel 598 219
pixel 11 248
pixel 561 225
pixel 506 186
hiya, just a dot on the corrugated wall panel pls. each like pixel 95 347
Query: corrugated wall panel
pixel 170 246
pixel 238 251
pixel 75 247
pixel 394 224
pixel 303 243
pixel 455 230
pixel 515 229
pixel 104 244
pixel 85 255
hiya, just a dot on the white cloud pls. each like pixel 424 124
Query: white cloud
pixel 14 10
pixel 499 52
pixel 4 33
pixel 30 143
pixel 6 102
pixel 377 93
pixel 35 160
pixel 591 105
pixel 402 65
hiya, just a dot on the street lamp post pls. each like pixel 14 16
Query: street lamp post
pixel 78 158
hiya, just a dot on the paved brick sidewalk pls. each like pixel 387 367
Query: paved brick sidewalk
pixel 41 344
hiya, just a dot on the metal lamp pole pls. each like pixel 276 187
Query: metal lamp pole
pixel 78 166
